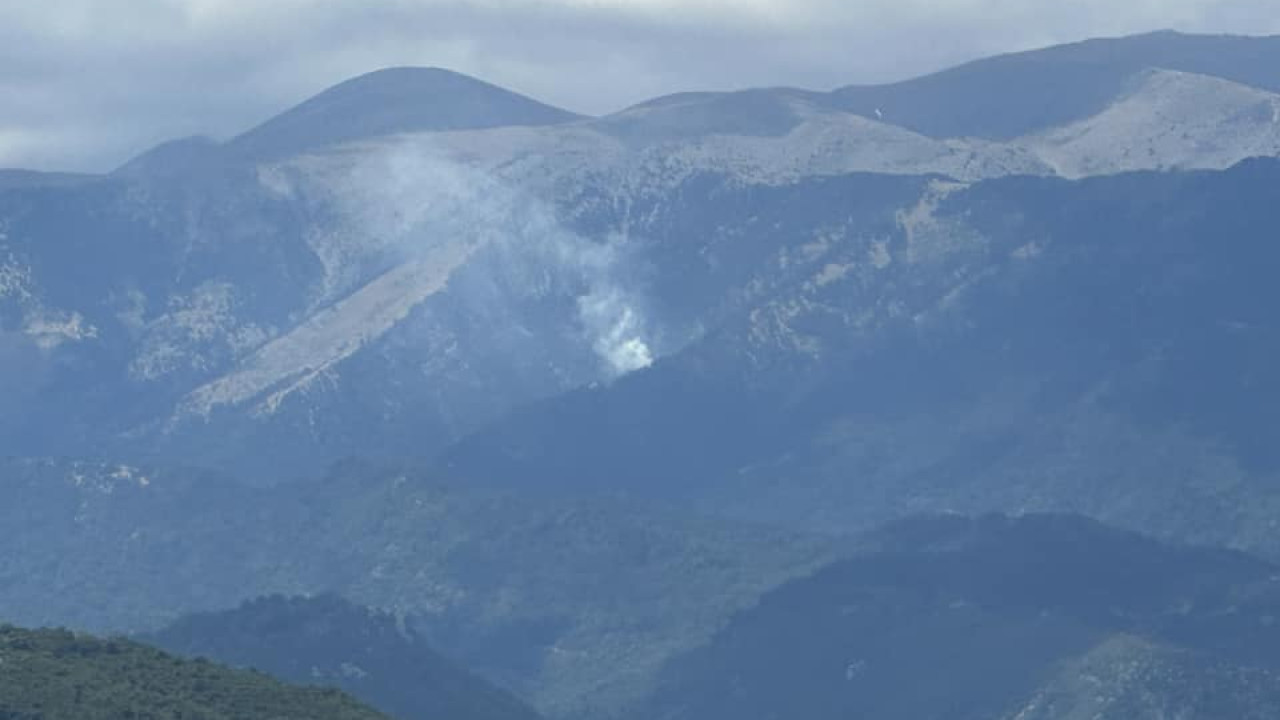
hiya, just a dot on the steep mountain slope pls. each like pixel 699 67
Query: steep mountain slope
pixel 1018 344
pixel 221 315
pixel 59 675
pixel 572 605
pixel 324 640
pixel 957 618
pixel 1007 96
pixel 169 281
pixel 394 100
pixel 1171 120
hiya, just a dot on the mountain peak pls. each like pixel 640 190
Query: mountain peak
pixel 394 100
pixel 1007 96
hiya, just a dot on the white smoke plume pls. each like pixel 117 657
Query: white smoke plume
pixel 618 330
pixel 395 204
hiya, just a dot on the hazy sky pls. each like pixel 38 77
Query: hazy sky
pixel 85 84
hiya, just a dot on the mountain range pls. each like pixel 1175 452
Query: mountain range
pixel 406 258
pixel 570 395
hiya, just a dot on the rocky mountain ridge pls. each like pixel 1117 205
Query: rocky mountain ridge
pixel 439 251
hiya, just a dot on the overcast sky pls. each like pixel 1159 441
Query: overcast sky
pixel 85 84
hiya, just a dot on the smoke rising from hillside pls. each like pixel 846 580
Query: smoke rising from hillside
pixel 397 204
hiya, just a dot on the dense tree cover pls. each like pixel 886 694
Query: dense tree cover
pixel 568 603
pixel 376 656
pixel 61 675
pixel 1039 616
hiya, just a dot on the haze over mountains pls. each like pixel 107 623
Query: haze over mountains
pixel 613 379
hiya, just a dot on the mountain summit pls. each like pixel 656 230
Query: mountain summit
pixel 394 100
pixel 1003 97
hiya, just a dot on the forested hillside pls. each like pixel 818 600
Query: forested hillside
pixel 61 675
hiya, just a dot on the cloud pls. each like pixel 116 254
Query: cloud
pixel 84 84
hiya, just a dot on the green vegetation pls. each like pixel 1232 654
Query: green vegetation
pixel 1049 617
pixel 377 657
pixel 61 675
pixel 574 605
